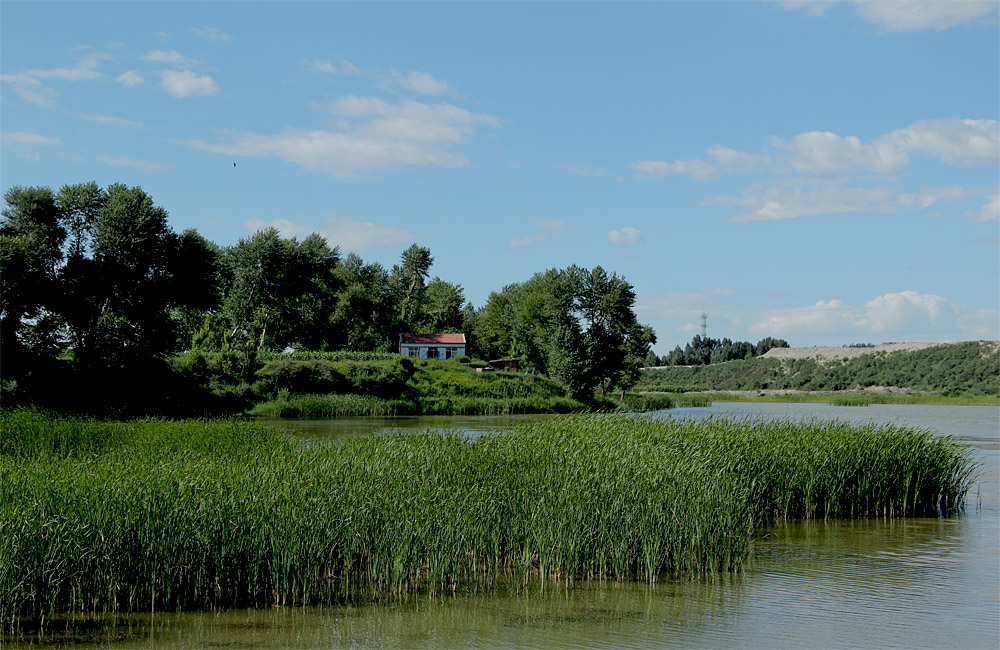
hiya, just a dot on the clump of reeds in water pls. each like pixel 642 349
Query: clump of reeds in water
pixel 161 515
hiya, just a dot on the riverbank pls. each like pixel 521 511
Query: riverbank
pixel 302 384
pixel 872 395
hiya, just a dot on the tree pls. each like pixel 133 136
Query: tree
pixel 441 307
pixel 575 325
pixel 280 291
pixel 31 239
pixel 605 306
pixel 408 279
pixel 79 208
pixel 197 284
pixel 363 315
pixel 133 247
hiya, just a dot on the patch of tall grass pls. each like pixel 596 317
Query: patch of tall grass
pixel 332 355
pixel 473 405
pixel 333 405
pixel 154 515
pixel 648 402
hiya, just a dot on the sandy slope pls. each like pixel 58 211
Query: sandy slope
pixel 829 353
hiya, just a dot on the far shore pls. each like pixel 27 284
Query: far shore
pixel 862 396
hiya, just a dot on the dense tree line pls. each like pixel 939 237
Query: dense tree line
pixel 99 274
pixel 702 351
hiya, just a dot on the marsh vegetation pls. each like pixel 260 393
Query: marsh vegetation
pixel 166 515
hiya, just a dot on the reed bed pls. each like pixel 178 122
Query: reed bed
pixel 161 515
pixel 333 405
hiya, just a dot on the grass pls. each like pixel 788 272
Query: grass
pixel 333 406
pixel 168 515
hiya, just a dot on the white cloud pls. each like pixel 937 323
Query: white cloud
pixel 212 34
pixel 922 15
pixel 624 237
pixel 771 203
pixel 376 134
pixel 811 7
pixel 130 78
pixel 168 56
pixel 902 316
pixel 350 233
pixel 909 15
pixel 184 83
pixel 527 240
pixel 931 195
pixel 111 120
pixel 85 70
pixel 421 82
pixel 990 211
pixel 907 309
pixel 955 141
pixel 28 139
pixel 825 153
pixel 796 198
pixel 698 169
pixel 23 144
pixel 547 228
pixel 590 171
pixel 824 317
pixel 732 160
pixel 28 83
pixel 343 66
pixel 30 90
pixel 682 303
pixel 124 161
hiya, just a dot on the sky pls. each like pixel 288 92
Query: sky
pixel 822 172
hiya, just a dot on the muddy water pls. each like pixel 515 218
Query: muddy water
pixel 918 583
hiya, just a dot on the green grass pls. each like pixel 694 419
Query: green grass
pixel 168 515
pixel 333 406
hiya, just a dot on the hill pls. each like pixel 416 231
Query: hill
pixel 969 368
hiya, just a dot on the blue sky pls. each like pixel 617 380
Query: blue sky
pixel 825 172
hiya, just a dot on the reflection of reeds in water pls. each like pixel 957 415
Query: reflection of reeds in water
pixel 851 400
pixel 153 514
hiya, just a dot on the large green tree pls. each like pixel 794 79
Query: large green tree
pixel 575 325
pixel 364 314
pixel 280 291
pixel 31 240
pixel 409 280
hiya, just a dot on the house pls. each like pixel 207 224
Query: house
pixel 432 346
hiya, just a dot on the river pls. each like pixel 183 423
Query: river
pixel 915 583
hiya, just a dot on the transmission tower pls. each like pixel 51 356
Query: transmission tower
pixel 704 325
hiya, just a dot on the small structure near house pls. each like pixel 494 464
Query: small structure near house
pixel 506 365
pixel 432 346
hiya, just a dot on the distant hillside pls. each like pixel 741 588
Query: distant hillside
pixel 968 368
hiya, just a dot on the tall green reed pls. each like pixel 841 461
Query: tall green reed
pixel 153 514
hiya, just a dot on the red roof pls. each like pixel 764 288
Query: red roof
pixel 441 339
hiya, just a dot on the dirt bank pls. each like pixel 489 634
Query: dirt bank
pixel 830 353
